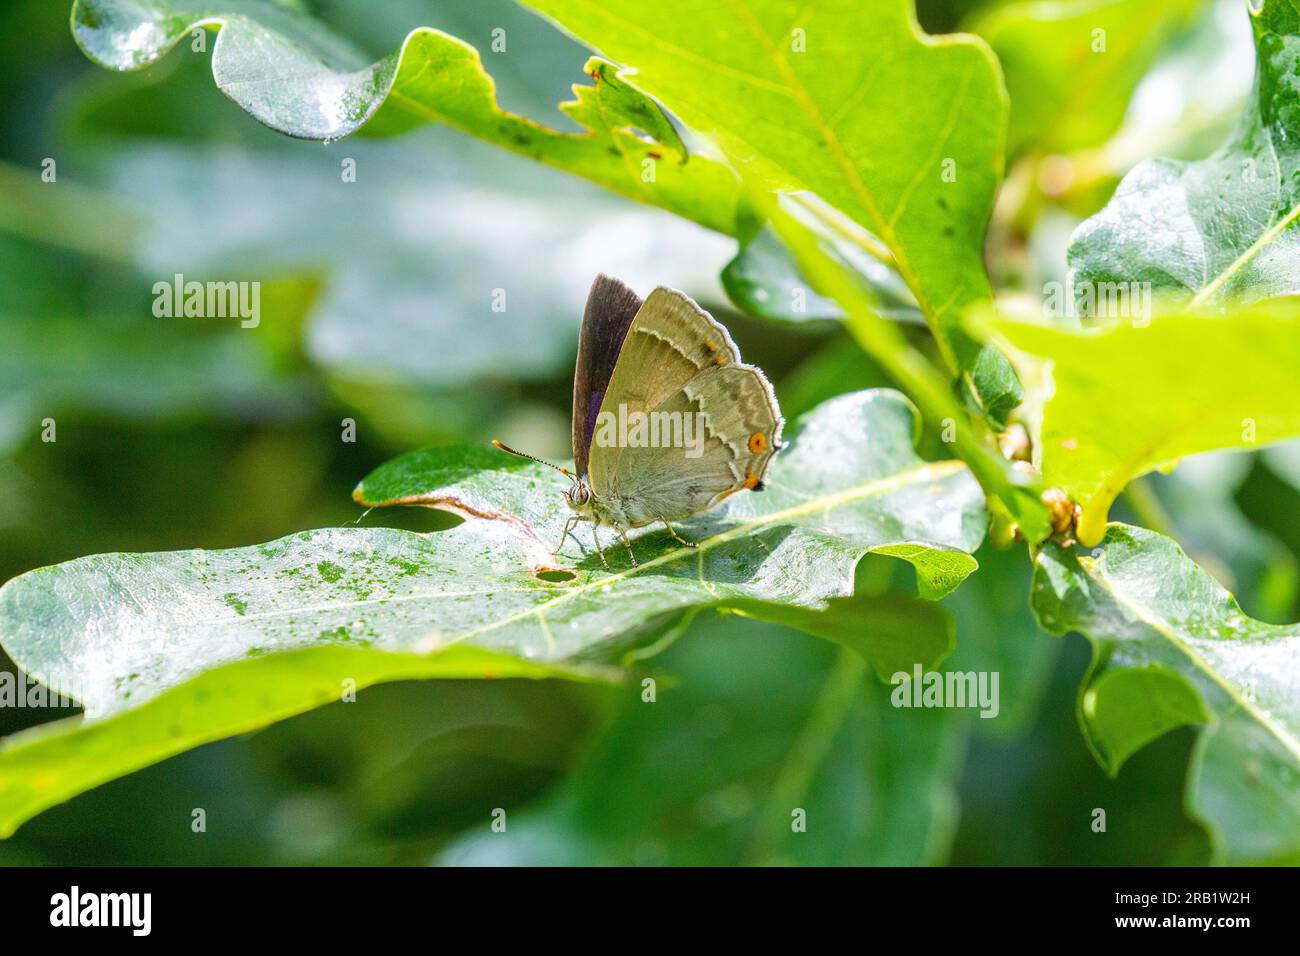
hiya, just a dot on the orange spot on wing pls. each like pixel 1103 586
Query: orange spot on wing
pixel 757 442
pixel 720 359
pixel 751 481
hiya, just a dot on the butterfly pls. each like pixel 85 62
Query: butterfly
pixel 668 422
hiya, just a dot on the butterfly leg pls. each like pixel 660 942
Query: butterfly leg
pixel 627 544
pixel 599 550
pixel 677 537
pixel 568 529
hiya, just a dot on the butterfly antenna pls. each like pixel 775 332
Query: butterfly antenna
pixel 504 447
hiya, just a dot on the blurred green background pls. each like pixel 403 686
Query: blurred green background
pixel 186 433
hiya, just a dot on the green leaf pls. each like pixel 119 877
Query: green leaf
pixel 850 483
pixel 1171 647
pixel 991 381
pixel 292 73
pixel 53 762
pixel 892 632
pixel 755 723
pixel 1127 399
pixel 1072 65
pixel 126 634
pixel 824 116
pixel 1221 228
pixel 850 101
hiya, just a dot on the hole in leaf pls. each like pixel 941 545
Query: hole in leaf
pixel 555 575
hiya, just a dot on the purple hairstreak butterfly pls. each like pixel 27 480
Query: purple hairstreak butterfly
pixel 668 422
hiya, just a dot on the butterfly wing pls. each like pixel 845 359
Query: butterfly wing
pixel 611 306
pixel 742 428
pixel 677 358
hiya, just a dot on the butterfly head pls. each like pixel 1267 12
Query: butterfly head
pixel 578 494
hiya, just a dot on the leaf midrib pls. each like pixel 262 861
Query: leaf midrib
pixel 926 472
pixel 1243 260
pixel 1167 631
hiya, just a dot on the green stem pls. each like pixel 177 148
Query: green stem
pixel 972 440
pixel 858 237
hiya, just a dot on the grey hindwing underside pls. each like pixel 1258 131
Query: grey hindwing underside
pixel 676 358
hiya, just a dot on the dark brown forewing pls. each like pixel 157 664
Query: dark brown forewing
pixel 611 306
